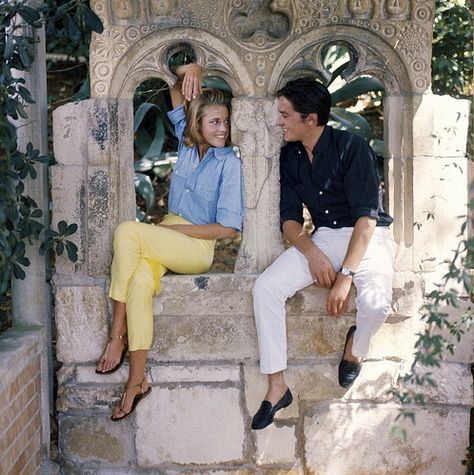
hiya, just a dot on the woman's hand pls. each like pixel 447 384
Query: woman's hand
pixel 188 85
pixel 192 80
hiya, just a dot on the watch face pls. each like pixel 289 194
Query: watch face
pixel 346 271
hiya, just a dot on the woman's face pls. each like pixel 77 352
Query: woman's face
pixel 215 125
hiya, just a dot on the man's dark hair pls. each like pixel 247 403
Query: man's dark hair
pixel 308 95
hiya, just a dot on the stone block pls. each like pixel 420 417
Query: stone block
pixel 318 381
pixel 276 445
pixel 310 336
pixel 88 396
pixel 423 124
pixel 68 196
pixel 206 294
pixel 360 441
pixel 99 232
pixel 395 339
pixel 87 374
pixel 81 320
pixel 451 122
pixel 198 424
pixel 453 385
pixel 87 440
pixel 202 374
pixel 204 338
pixel 70 143
pixel 404 297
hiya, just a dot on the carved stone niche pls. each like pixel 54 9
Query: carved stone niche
pixel 395 10
pixel 360 9
pixel 124 11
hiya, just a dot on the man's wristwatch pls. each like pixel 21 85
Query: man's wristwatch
pixel 346 271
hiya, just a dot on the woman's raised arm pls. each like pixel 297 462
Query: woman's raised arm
pixel 188 85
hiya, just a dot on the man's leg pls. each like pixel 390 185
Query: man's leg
pixel 288 274
pixel 373 281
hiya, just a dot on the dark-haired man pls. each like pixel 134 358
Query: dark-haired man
pixel 334 174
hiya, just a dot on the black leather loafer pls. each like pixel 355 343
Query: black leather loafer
pixel 264 416
pixel 348 370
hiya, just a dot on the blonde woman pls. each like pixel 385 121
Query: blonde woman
pixel 205 204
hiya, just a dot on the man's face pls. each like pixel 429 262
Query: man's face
pixel 294 126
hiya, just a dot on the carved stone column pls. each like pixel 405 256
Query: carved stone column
pixel 256 132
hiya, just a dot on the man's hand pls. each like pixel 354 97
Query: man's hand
pixel 321 269
pixel 338 298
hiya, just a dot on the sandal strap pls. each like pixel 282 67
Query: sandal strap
pixel 140 385
pixel 127 387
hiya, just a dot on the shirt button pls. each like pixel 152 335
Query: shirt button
pixel 327 211
pixel 334 222
pixel 320 192
pixel 299 152
pixel 187 191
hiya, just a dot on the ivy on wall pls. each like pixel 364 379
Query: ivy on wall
pixel 21 219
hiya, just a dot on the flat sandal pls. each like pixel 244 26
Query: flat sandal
pixel 135 402
pixel 122 357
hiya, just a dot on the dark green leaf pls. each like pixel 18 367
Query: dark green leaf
pixel 144 188
pixel 357 87
pixel 92 20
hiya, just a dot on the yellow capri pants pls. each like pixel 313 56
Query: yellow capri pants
pixel 143 253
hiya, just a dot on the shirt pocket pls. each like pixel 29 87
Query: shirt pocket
pixel 207 191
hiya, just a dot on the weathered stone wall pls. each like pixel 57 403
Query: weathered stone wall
pixel 204 361
pixel 23 395
pixel 206 386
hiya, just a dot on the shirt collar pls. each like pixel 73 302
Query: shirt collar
pixel 323 143
pixel 219 152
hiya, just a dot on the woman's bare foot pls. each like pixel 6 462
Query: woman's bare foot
pixel 133 394
pixel 113 355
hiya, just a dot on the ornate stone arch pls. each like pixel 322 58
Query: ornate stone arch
pixel 370 53
pixel 149 58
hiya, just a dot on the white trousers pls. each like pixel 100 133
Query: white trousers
pixel 290 273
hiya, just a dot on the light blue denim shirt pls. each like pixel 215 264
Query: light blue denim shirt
pixel 209 191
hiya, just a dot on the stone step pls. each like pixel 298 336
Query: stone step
pixel 210 317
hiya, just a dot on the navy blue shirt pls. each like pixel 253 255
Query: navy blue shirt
pixel 338 187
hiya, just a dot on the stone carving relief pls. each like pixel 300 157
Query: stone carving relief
pixel 396 9
pixel 260 23
pixel 260 30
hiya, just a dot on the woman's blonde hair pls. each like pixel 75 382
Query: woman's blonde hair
pixel 195 111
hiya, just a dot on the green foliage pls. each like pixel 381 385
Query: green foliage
pixel 452 49
pixel 431 346
pixel 20 216
pixel 337 61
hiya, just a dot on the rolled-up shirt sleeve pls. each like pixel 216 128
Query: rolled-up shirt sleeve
pixel 291 207
pixel 361 181
pixel 230 204
pixel 178 118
